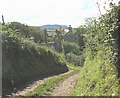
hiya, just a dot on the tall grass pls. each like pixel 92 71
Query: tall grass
pixel 97 78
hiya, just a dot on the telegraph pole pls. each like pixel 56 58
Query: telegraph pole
pixel 3 22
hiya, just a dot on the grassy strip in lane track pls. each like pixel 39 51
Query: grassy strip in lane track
pixel 47 86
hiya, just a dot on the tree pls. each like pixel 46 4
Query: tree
pixel 71 47
pixel 31 32
pixel 80 33
pixel 45 32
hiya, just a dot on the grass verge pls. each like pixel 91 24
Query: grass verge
pixel 97 78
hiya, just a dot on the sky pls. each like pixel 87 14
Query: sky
pixel 42 12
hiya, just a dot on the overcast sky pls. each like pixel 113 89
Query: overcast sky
pixel 41 12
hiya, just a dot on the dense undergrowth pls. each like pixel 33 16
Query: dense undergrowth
pixel 97 78
pixel 99 75
pixel 24 60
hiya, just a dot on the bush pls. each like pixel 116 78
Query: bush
pixel 71 47
pixel 74 59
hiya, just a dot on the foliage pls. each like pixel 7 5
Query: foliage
pixel 74 59
pixel 98 77
pixel 70 47
pixel 25 60
pixel 80 34
pixel 31 32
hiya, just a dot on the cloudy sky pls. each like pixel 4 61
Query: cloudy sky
pixel 41 12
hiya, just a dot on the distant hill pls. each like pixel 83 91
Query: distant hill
pixel 53 27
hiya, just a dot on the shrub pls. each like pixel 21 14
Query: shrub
pixel 74 59
pixel 71 47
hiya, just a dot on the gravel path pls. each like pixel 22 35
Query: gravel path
pixel 65 88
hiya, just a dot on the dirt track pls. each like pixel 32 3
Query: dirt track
pixel 34 85
pixel 65 88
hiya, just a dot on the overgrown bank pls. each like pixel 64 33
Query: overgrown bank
pixel 100 75
pixel 25 60
pixel 97 78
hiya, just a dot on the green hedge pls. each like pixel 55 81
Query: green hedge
pixel 25 60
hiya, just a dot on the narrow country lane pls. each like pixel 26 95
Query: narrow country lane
pixel 65 88
pixel 34 85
